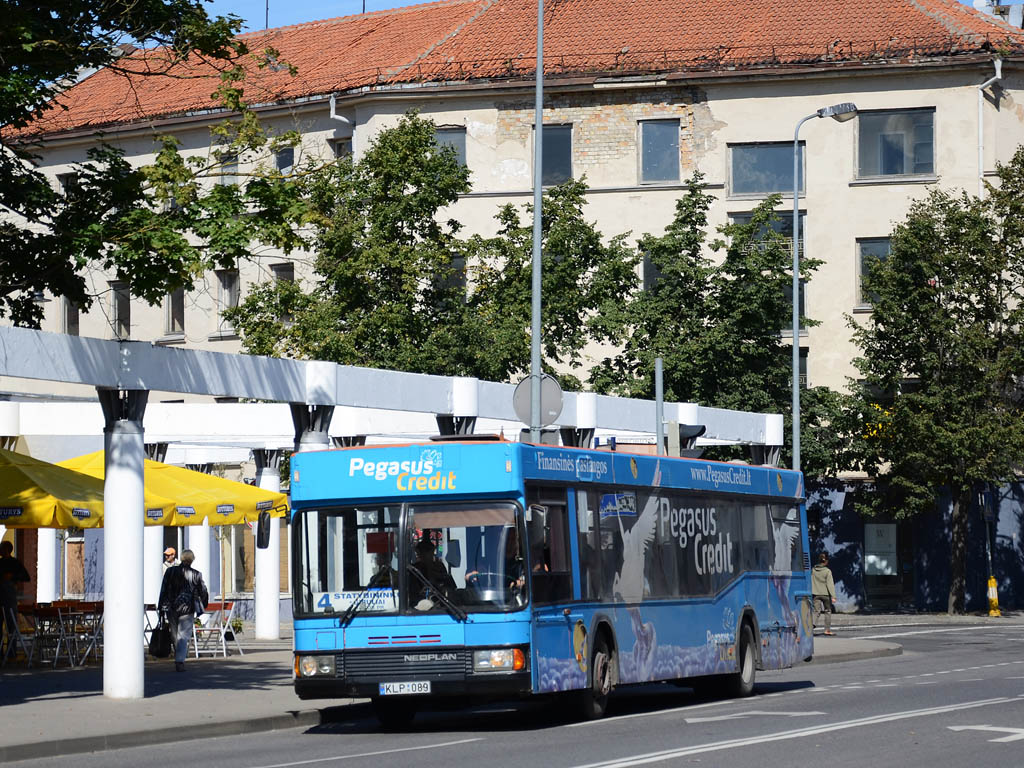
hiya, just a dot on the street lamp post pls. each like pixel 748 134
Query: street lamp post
pixel 840 113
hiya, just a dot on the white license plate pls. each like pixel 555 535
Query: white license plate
pixel 396 689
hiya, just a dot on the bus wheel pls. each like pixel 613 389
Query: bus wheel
pixel 594 700
pixel 393 714
pixel 741 683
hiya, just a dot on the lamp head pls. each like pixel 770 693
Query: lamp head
pixel 839 112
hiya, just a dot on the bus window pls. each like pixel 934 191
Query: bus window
pixel 757 541
pixel 548 539
pixel 590 545
pixel 786 538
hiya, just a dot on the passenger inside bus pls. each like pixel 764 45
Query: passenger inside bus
pixel 430 566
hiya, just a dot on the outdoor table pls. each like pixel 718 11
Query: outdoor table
pixel 51 634
pixel 85 628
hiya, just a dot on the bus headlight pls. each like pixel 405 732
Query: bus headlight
pixel 312 666
pixel 499 660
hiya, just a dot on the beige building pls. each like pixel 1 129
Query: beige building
pixel 634 104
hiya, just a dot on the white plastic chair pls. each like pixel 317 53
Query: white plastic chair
pixel 212 636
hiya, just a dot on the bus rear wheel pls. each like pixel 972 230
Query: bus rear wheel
pixel 741 683
pixel 594 700
pixel 393 714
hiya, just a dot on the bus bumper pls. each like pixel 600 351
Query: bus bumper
pixel 489 686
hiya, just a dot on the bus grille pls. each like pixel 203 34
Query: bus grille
pixel 412 664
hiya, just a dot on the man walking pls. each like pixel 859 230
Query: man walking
pixel 823 588
pixel 183 596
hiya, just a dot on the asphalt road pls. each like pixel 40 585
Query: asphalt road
pixel 954 698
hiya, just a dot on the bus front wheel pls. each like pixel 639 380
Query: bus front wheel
pixel 594 700
pixel 741 683
pixel 393 714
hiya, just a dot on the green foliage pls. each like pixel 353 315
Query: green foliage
pixel 941 356
pixel 394 288
pixel 159 226
pixel 715 325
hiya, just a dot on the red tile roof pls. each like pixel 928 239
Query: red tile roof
pixel 493 39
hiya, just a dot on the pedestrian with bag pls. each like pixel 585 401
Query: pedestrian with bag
pixel 823 590
pixel 183 597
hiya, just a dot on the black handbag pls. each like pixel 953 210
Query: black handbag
pixel 160 640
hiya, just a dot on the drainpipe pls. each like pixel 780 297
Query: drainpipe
pixel 981 123
pixel 343 119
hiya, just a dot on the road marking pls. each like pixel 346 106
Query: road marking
pixel 654 757
pixel 370 754
pixel 686 708
pixel 854 627
pixel 1017 734
pixel 978 628
pixel 738 715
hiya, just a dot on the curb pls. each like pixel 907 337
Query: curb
pixel 889 649
pixel 62 747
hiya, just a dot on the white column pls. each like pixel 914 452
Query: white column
pixel 152 562
pixel 46 566
pixel 199 542
pixel 123 502
pixel 267 586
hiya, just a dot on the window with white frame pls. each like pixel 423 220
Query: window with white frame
pixel 870 251
pixel 659 151
pixel 784 226
pixel 175 313
pixel 651 273
pixel 340 147
pixel 556 155
pixel 758 170
pixel 896 143
pixel 69 183
pixel 227 295
pixel 71 319
pixel 228 169
pixel 120 309
pixel 284 160
pixel 454 137
pixel 283 272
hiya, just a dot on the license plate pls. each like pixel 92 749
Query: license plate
pixel 396 689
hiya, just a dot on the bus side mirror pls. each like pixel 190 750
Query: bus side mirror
pixel 263 530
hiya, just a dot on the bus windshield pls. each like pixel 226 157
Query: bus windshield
pixel 471 553
pixel 457 558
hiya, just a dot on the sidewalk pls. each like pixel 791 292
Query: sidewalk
pixel 49 712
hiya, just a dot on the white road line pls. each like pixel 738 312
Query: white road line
pixel 935 631
pixel 851 627
pixel 370 754
pixel 687 708
pixel 1016 734
pixel 669 754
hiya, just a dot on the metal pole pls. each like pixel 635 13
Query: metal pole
pixel 796 292
pixel 659 406
pixel 538 143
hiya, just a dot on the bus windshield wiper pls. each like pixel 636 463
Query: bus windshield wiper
pixel 442 598
pixel 354 606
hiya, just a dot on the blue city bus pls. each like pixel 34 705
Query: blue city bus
pixel 491 569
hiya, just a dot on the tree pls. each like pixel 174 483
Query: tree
pixel 398 288
pixel 716 324
pixel 158 226
pixel 942 357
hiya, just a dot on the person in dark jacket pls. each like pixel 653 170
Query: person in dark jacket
pixel 823 589
pixel 12 574
pixel 183 595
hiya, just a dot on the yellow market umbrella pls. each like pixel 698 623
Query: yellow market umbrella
pixel 37 494
pixel 196 495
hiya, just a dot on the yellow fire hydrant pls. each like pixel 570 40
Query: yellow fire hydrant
pixel 993 597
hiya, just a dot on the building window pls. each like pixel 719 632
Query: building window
pixel 227 295
pixel 870 251
pixel 556 155
pixel 228 170
pixel 651 274
pixel 71 318
pixel 69 183
pixel 788 330
pixel 175 304
pixel 897 143
pixel 284 272
pixel 758 170
pixel 783 225
pixel 340 147
pixel 455 138
pixel 120 309
pixel 802 370
pixel 284 160
pixel 659 151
